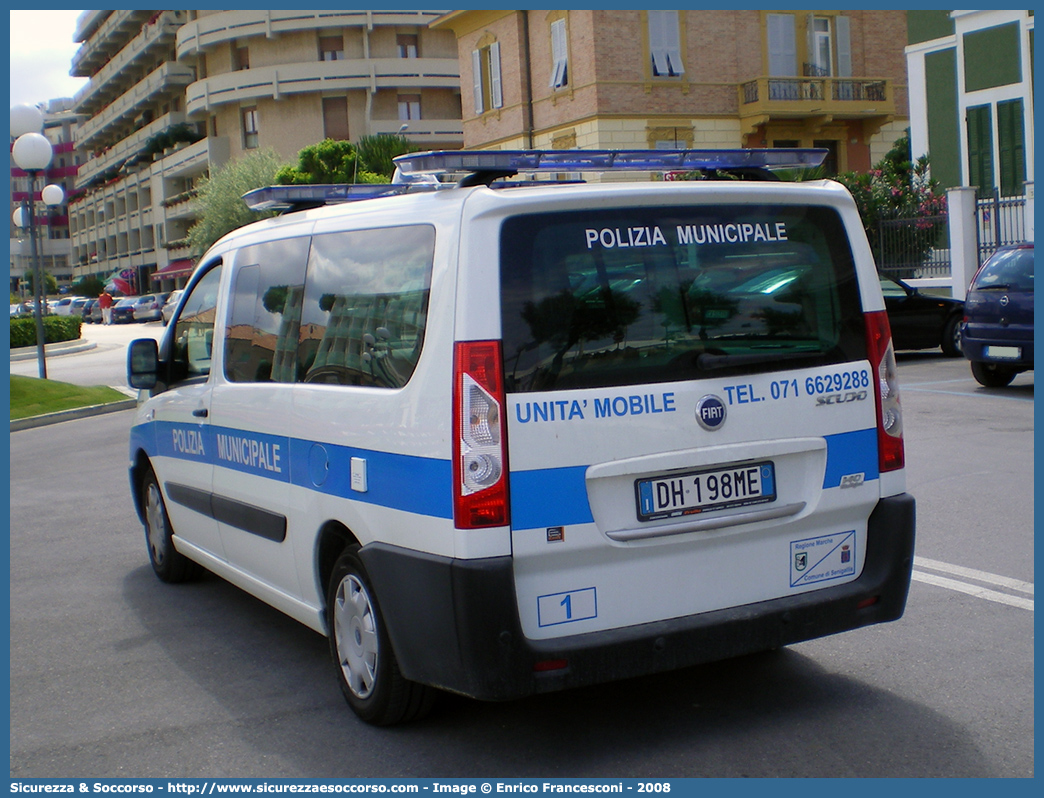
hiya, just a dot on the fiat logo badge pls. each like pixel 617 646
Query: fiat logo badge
pixel 710 412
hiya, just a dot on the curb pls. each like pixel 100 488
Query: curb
pixel 70 415
pixel 52 350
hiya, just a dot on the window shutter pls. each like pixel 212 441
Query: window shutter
pixel 476 75
pixel 782 45
pixel 1011 148
pixel 844 46
pixel 672 37
pixel 657 45
pixel 980 149
pixel 494 75
pixel 559 54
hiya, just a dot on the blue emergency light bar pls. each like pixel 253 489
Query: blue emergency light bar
pixel 415 171
pixel 515 161
pixel 282 198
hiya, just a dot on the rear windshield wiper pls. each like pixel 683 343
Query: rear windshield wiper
pixel 993 287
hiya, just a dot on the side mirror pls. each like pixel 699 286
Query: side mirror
pixel 142 364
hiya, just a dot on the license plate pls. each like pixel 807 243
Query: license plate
pixel 1004 352
pixel 710 489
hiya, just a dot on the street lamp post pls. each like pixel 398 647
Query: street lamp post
pixel 32 153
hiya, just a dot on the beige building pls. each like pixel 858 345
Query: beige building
pixel 683 79
pixel 174 94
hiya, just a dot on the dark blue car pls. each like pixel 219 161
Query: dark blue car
pixel 997 332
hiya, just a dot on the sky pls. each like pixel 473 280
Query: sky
pixel 42 49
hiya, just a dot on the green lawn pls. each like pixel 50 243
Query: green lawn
pixel 34 397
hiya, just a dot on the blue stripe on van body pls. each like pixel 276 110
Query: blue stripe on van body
pixel 558 496
pixel 418 485
pixel 424 486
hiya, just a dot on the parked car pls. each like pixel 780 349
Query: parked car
pixel 21 309
pixel 921 321
pixel 123 310
pixel 86 312
pixel 149 307
pixel 171 304
pixel 63 306
pixel 96 314
pixel 997 333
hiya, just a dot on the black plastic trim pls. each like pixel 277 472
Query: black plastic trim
pixel 454 623
pixel 255 520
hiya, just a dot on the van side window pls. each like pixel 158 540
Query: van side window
pixel 262 333
pixel 365 306
pixel 194 330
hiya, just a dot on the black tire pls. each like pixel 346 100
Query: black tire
pixel 168 563
pixel 366 668
pixel 951 337
pixel 991 375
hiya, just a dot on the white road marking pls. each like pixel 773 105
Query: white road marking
pixel 971 573
pixel 974 590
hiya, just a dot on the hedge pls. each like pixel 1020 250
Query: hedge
pixel 56 328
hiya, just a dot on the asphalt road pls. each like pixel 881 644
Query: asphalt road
pixel 114 674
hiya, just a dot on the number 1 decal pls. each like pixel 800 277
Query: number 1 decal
pixel 567 607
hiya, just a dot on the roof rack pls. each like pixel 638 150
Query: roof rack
pixel 418 172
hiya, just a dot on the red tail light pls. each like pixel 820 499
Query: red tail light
pixel 479 429
pixel 891 454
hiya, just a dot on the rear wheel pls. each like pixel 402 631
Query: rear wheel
pixel 951 337
pixel 991 375
pixel 168 563
pixel 361 650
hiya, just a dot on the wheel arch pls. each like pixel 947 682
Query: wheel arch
pixel 333 538
pixel 139 467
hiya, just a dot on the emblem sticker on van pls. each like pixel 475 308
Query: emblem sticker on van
pixel 822 558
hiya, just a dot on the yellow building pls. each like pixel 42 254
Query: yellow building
pixel 683 79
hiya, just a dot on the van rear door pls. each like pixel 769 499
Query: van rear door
pixel 690 408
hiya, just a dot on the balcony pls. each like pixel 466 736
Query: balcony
pixel 371 74
pixel 104 83
pixel 226 26
pixel 109 36
pixel 816 99
pixel 166 79
pixel 123 151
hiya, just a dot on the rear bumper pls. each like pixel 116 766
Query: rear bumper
pixel 454 623
pixel 975 339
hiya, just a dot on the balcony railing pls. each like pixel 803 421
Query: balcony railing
pixel 797 89
pixel 368 74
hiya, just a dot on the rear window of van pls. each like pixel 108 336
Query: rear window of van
pixel 645 295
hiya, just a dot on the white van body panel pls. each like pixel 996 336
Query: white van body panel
pixel 293 467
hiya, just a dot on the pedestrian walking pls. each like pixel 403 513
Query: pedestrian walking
pixel 105 303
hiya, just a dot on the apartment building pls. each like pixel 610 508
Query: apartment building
pixel 175 94
pixel 971 96
pixel 681 79
pixel 52 223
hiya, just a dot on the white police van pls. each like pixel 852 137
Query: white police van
pixel 506 437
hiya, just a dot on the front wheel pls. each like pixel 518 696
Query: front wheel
pixel 169 564
pixel 361 650
pixel 951 337
pixel 991 375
